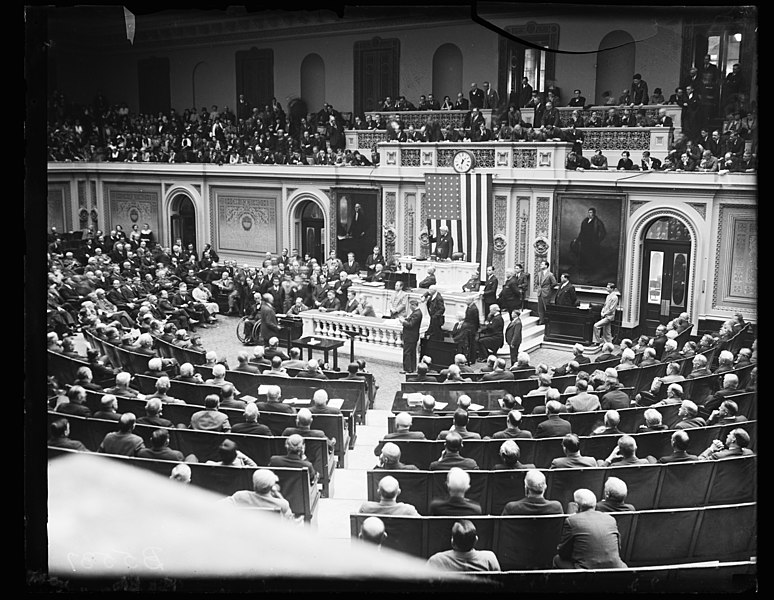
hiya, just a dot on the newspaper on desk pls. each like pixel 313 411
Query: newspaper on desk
pixel 474 406
pixel 413 398
pixel 336 402
pixel 297 401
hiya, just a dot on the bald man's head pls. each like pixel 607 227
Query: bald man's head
pixel 390 454
pixel 403 420
pixel 388 488
pixel 304 417
pixel 372 530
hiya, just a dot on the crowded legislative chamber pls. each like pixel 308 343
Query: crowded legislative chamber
pixel 397 298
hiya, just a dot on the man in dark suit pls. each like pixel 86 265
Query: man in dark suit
pixel 554 425
pixel 320 404
pixel 295 457
pixel 411 325
pixel 435 309
pixel 269 327
pixel 572 456
pixel 489 293
pixel 455 505
pixel 679 441
pixel 341 288
pixel 312 371
pixel 250 424
pixel 490 337
pixel 565 295
pixel 243 358
pixel 372 260
pixel 590 538
pixel 402 432
pixel 59 436
pixel 460 427
pixel 513 334
pixel 358 224
pixel 389 459
pixel 273 402
pixel 512 430
pixel 444 244
pixel 429 279
pixel 461 103
pixel 450 457
pixel 534 501
pixel 477 96
pixel 303 428
pixel 499 372
pixel 577 100
pixel 351 267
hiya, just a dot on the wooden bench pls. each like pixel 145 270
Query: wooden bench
pixel 648 537
pixel 294 482
pixel 541 452
pixel 204 444
pixel 651 486
pixel 180 414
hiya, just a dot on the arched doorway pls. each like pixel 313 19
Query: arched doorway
pixel 310 230
pixel 447 72
pixel 614 67
pixel 665 269
pixel 182 220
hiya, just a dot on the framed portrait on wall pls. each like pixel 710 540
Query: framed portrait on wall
pixel 587 238
pixel 358 221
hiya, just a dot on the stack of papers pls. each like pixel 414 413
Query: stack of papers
pixel 440 405
pixel 263 390
pixel 247 398
pixel 413 399
pixel 313 342
pixel 297 401
pixel 336 402
pixel 474 406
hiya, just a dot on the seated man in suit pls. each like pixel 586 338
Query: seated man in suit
pixel 303 428
pixel 429 279
pixel 577 356
pixel 160 449
pixel 295 457
pixel 510 453
pixel 265 494
pixel 679 441
pixel 455 504
pixel 388 490
pixel 422 374
pixel 250 425
pixel 463 556
pixel 389 459
pixel 499 372
pixel 689 416
pixel 244 365
pixel 572 456
pixel 615 497
pixel 320 404
pixel 730 387
pixel 460 427
pixel 210 419
pixel 726 414
pixel 402 432
pixel 108 408
pixel 582 401
pixel 648 357
pixel 554 425
pixel 736 444
pixel 653 421
pixel 624 454
pixel 124 441
pixel 590 538
pixel 607 353
pixel 122 388
pixel 611 420
pixel 59 436
pixel 312 371
pixel 534 501
pixel 614 398
pixel 512 430
pixel 451 457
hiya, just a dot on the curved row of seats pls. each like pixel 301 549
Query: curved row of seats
pixel 650 486
pixel 542 451
pixel 204 444
pixel 583 423
pixel 224 480
pixel 647 537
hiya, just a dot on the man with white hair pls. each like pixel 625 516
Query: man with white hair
pixel 671 351
pixel 436 308
pixel 615 497
pixel 402 431
pixel 388 490
pixel 512 431
pixel 689 416
pixel 611 420
pixel 181 473
pixel 624 454
pixel 590 538
pixel 653 421
pixel 730 387
pixel 122 388
pixel 614 398
pixel 303 428
pixel 725 362
pixel 259 357
pixel 455 504
pixel 444 244
pixel 274 402
pixel 153 410
pixel 627 360
pixel 320 404
pixel 265 494
pixel 312 371
pixel 108 408
pixel 554 425
pixel 389 459
pixel 163 385
pixel 534 501
pixel 250 424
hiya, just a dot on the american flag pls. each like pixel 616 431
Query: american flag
pixel 464 204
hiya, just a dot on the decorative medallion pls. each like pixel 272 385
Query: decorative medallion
pixel 499 242
pixel 389 235
pixel 247 222
pixel 134 215
pixel 541 246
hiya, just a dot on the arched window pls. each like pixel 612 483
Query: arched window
pixel 669 229
pixel 614 67
pixel 313 81
pixel 447 72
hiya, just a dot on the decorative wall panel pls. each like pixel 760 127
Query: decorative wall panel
pixel 127 206
pixel 409 224
pixel 247 223
pixel 499 231
pixel 737 251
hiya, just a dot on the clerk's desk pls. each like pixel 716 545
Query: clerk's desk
pixel 571 325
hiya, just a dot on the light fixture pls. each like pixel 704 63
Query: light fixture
pixel 738 37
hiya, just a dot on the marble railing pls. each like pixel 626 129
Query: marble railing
pixel 651 112
pixel 381 333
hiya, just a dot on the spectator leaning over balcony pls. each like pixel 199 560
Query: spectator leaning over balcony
pixel 649 163
pixel 639 90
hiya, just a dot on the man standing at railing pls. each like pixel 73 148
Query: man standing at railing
pixel 411 326
pixel 491 98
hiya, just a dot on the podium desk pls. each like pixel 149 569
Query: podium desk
pixel 323 344
pixel 409 279
pixel 571 325
pixel 441 352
